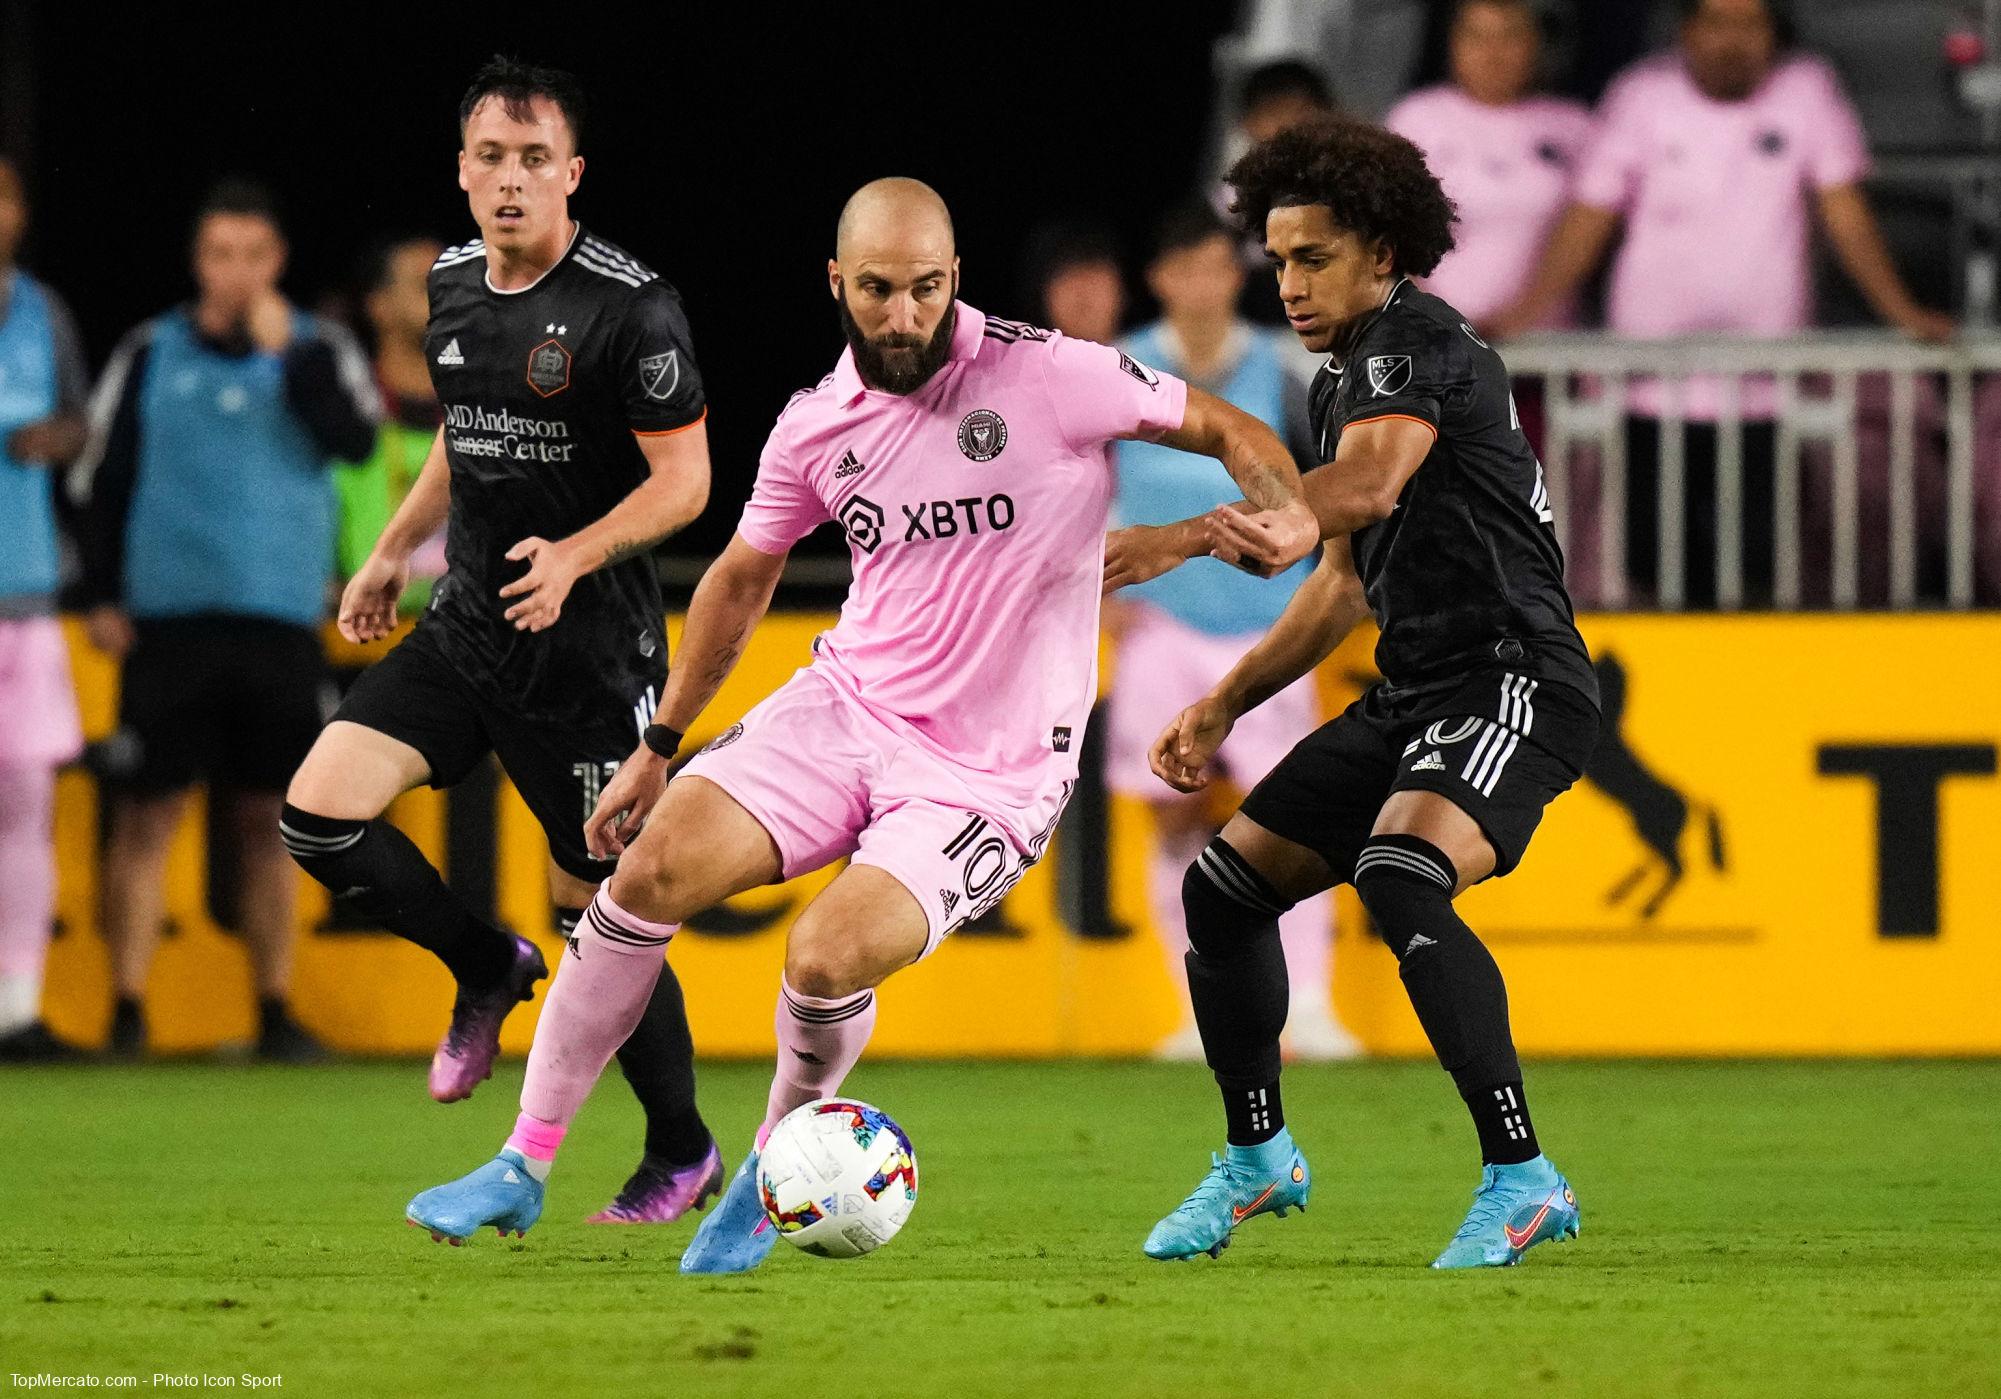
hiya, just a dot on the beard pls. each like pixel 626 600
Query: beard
pixel 898 364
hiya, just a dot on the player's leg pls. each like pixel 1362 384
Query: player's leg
pixel 916 873
pixel 1257 744
pixel 680 1166
pixel 405 722
pixel 1468 794
pixel 1181 827
pixel 699 847
pixel 1295 837
pixel 40 734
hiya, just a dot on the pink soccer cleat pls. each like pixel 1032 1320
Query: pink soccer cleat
pixel 465 1055
pixel 659 1193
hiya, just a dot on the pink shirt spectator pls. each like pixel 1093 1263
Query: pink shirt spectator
pixel 1510 170
pixel 975 511
pixel 1716 198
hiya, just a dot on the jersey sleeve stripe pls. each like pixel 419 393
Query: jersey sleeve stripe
pixel 1392 417
pixel 672 431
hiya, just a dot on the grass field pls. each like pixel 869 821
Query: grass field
pixel 1749 1229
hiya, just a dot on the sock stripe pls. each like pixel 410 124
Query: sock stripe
pixel 1236 879
pixel 826 1015
pixel 605 927
pixel 300 843
pixel 1408 861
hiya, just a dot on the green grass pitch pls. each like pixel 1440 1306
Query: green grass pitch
pixel 1749 1229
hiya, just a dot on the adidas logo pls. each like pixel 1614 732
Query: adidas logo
pixel 949 899
pixel 450 354
pixel 1430 762
pixel 511 1178
pixel 850 464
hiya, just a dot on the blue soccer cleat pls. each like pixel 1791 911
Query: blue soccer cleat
pixel 736 1236
pixel 1515 1208
pixel 1244 1181
pixel 500 1193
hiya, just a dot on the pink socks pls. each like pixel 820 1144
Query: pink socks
pixel 601 987
pixel 819 1040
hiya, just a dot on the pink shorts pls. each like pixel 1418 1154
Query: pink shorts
pixel 40 728
pixel 1162 667
pixel 828 779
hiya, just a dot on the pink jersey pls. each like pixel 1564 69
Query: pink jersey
pixel 1509 169
pixel 1716 200
pixel 975 512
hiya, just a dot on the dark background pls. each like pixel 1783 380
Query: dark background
pixel 719 158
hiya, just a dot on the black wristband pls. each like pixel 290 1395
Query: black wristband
pixel 662 740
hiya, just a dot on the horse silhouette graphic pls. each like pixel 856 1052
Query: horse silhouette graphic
pixel 1660 811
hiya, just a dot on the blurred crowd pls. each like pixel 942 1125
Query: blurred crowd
pixel 239 454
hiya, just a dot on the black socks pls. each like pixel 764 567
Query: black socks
pixel 1237 982
pixel 1454 984
pixel 375 868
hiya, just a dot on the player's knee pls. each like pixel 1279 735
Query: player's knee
pixel 650 882
pixel 821 967
pixel 1400 876
pixel 1227 902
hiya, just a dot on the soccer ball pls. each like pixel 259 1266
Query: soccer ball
pixel 837 1178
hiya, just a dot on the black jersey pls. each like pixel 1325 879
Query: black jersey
pixel 1466 572
pixel 542 390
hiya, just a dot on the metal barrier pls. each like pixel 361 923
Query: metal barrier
pixel 1585 385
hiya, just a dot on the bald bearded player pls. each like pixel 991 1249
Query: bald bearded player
pixel 933 740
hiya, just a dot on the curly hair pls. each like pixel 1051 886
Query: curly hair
pixel 1375 183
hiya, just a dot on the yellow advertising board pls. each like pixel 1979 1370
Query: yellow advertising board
pixel 1783 847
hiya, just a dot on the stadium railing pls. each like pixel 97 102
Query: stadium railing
pixel 1816 377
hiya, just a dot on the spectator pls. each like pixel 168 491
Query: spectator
pixel 1505 156
pixel 1272 97
pixel 1712 158
pixel 397 304
pixel 208 547
pixel 1075 282
pixel 42 392
pixel 1180 633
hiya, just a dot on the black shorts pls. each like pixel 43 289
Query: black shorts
pixel 415 695
pixel 232 701
pixel 1499 744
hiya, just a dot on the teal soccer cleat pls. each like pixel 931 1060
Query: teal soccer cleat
pixel 1244 1181
pixel 736 1236
pixel 1515 1208
pixel 500 1193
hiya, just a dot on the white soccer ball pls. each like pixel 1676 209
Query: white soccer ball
pixel 837 1177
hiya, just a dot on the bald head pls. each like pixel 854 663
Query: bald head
pixel 894 219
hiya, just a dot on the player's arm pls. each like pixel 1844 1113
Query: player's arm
pixel 674 492
pixel 729 602
pixel 1278 530
pixel 1328 605
pixel 1374 460
pixel 368 602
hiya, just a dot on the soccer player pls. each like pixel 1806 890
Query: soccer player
pixel 573 442
pixel 932 741
pixel 1436 520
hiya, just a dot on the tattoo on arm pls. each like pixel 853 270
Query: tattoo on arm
pixel 725 661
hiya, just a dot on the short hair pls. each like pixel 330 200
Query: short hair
pixel 371 269
pixel 517 84
pixel 236 195
pixel 1189 224
pixel 1285 77
pixel 1779 11
pixel 1374 182
pixel 1056 246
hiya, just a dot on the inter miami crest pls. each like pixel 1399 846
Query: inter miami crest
pixel 549 368
pixel 660 375
pixel 982 435
pixel 1389 374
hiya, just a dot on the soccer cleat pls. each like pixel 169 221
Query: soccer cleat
pixel 1515 1208
pixel 1245 1181
pixel 500 1193
pixel 660 1193
pixel 465 1055
pixel 737 1235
